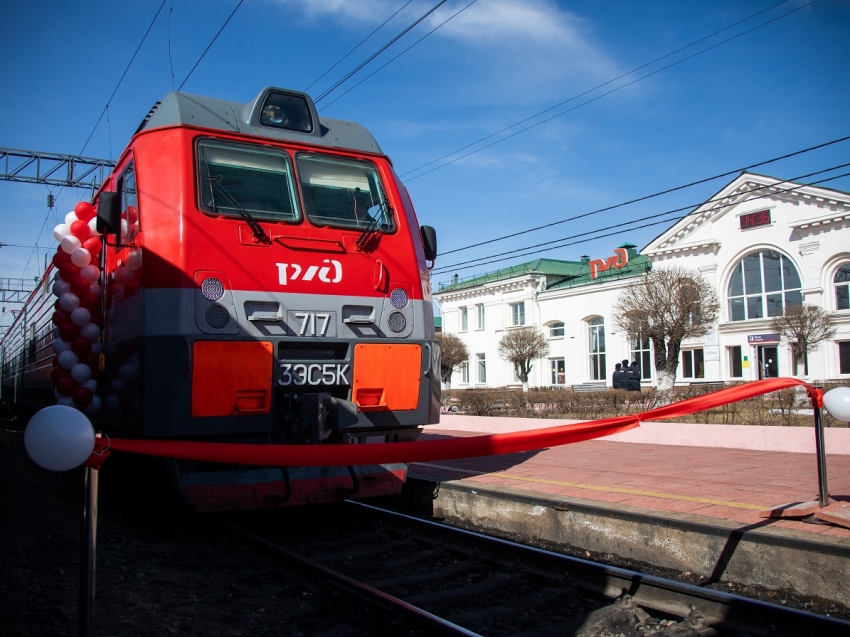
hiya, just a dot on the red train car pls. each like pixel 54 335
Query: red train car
pixel 264 279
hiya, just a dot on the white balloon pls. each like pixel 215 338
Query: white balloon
pixel 116 385
pixel 91 383
pixel 96 348
pixel 70 243
pixel 71 217
pixel 90 331
pixel 66 401
pixel 80 317
pixel 61 231
pixel 59 438
pixel 125 228
pixel 69 301
pixel 60 287
pixel 68 359
pixel 93 227
pixel 94 406
pixel 81 258
pixel 95 288
pixel 61 345
pixel 90 271
pixel 837 403
pixel 81 373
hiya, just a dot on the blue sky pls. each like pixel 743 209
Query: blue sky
pixel 780 88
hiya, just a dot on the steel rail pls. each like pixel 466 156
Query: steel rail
pixel 364 592
pixel 719 609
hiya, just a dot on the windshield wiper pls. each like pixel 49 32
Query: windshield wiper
pixel 256 228
pixel 373 223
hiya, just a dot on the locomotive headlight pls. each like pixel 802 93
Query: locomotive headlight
pixel 396 322
pixel 398 298
pixel 212 289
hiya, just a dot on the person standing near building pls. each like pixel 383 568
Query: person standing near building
pixel 633 376
pixel 617 378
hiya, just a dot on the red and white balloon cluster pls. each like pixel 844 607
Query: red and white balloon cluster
pixel 78 314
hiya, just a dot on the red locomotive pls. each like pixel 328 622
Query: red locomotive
pixel 264 279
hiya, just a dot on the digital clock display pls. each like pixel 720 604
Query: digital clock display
pixel 755 219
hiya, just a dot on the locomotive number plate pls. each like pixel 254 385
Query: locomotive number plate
pixel 308 323
pixel 314 373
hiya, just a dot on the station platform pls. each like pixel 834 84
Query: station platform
pixel 693 508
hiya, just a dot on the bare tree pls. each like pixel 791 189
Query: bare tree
pixel 521 347
pixel 804 327
pixel 453 352
pixel 667 306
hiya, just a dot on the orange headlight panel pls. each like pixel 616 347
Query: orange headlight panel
pixel 386 377
pixel 231 378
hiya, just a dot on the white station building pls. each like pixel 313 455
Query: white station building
pixel 762 242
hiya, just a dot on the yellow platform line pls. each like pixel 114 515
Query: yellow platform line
pixel 594 487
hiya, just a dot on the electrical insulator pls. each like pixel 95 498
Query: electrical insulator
pixel 50 201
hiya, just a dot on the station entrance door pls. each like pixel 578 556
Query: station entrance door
pixel 768 362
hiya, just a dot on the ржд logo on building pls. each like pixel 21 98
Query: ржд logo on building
pixel 619 260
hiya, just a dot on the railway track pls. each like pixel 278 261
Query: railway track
pixel 396 574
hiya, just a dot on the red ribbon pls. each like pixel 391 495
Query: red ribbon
pixel 432 450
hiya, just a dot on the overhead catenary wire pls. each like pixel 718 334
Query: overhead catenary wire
pixel 451 17
pixel 378 52
pixel 209 46
pixel 593 99
pixel 620 230
pixel 653 195
pixel 359 44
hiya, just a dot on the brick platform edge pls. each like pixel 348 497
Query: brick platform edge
pixel 759 438
pixel 715 549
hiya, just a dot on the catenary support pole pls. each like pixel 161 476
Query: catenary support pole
pixel 88 543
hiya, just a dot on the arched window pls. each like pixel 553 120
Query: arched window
pixel 596 343
pixel 842 287
pixel 556 330
pixel 762 285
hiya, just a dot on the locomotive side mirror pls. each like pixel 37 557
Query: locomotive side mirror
pixel 108 212
pixel 429 241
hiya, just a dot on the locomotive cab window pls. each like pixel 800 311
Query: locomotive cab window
pixel 343 193
pixel 241 177
pixel 129 206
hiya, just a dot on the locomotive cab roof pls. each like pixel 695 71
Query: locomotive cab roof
pixel 276 113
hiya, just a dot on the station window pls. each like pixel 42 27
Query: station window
pixel 518 313
pixel 844 357
pixel 482 368
pixel 556 330
pixel 596 348
pixel 238 178
pixel 464 319
pixel 736 369
pixel 762 285
pixel 464 372
pixel 641 352
pixel 480 311
pixel 842 287
pixel 559 371
pixel 693 363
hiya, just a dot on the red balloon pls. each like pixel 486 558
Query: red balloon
pixel 90 301
pixel 68 331
pixel 80 229
pixel 66 385
pixel 80 285
pixel 82 396
pixel 84 211
pixel 61 257
pixel 97 318
pixel 60 317
pixel 132 215
pixel 81 346
pixel 68 271
pixel 92 360
pixel 58 373
pixel 94 245
pixel 95 373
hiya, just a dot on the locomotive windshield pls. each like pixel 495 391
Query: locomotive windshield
pixel 343 193
pixel 259 180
